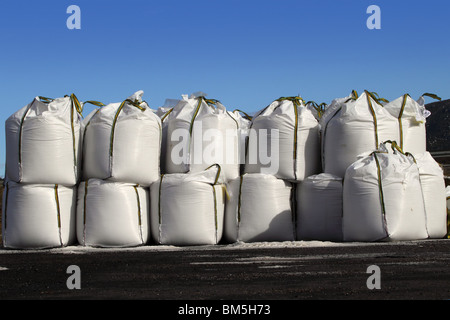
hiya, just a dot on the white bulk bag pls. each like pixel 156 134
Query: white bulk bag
pixel 434 195
pixel 201 133
pixel 43 142
pixel 259 209
pixel 112 214
pixel 383 199
pixel 319 208
pixel 292 136
pixel 411 117
pixel 122 143
pixel 188 209
pixel 355 127
pixel 38 216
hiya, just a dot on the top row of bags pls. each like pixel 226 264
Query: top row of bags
pixel 48 141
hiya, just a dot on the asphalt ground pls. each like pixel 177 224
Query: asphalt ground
pixel 293 271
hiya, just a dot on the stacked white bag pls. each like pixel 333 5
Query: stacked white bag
pixel 38 216
pixel 319 208
pixel 200 133
pixel 432 182
pixel 290 133
pixel 352 126
pixel 188 209
pixel 383 198
pixel 43 156
pixel 259 209
pixel 122 144
pixel 411 116
pixel 43 142
pixel 112 214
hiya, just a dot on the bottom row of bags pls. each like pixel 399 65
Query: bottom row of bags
pixel 386 195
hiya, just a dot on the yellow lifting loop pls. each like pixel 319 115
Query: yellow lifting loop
pixel 166 115
pixel 354 96
pixel 246 115
pixel 219 169
pixel 211 102
pixel 395 147
pixel 136 103
pixel 320 108
pixel 376 97
pixel 432 95
pixel 95 103
pixel 45 99
pixel 76 103
pixel 297 100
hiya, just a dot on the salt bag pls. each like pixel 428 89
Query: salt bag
pixel 383 199
pixel 319 208
pixel 43 142
pixel 259 209
pixel 122 143
pixel 288 134
pixel 434 195
pixel 37 216
pixel 112 214
pixel 411 117
pixel 200 133
pixel 188 209
pixel 357 126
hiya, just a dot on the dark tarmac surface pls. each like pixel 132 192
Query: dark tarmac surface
pixel 418 270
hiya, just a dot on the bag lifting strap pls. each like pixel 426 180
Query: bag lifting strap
pixel 138 199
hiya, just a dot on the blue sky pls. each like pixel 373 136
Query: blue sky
pixel 246 53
